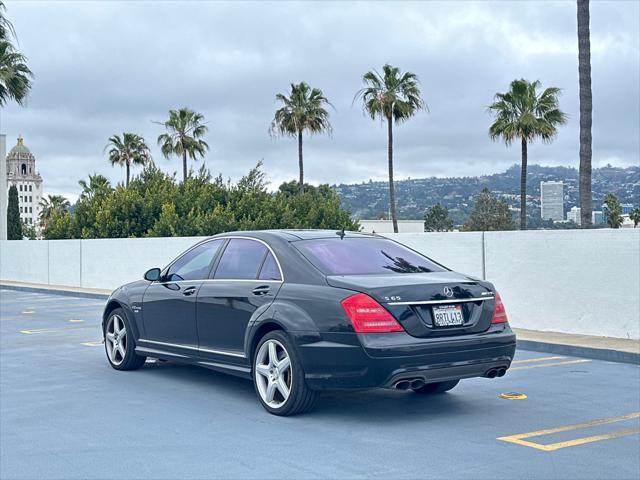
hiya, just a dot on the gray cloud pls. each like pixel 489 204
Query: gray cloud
pixel 107 67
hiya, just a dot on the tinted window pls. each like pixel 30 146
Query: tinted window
pixel 355 256
pixel 270 270
pixel 241 259
pixel 195 264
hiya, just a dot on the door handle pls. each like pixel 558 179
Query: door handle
pixel 189 291
pixel 261 290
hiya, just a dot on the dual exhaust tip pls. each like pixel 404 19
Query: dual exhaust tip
pixel 408 383
pixel 496 372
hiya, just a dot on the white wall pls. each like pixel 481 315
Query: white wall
pixel 572 281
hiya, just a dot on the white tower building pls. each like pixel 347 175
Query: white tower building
pixel 21 172
pixel 3 188
pixel 552 201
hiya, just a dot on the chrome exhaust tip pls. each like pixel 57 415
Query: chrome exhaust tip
pixel 492 373
pixel 501 372
pixel 417 383
pixel 403 385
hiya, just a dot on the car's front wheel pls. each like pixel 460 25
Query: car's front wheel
pixel 279 378
pixel 119 343
pixel 438 387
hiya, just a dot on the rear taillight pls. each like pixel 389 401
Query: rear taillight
pixel 499 312
pixel 368 316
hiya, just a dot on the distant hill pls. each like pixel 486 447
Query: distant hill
pixel 414 196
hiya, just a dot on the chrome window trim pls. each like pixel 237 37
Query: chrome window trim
pixel 225 279
pixel 198 349
pixel 449 300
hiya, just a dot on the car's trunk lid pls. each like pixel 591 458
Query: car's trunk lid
pixel 415 299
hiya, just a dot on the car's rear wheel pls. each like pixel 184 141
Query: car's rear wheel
pixel 279 378
pixel 438 387
pixel 119 342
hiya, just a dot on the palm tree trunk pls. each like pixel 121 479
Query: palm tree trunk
pixel 127 184
pixel 584 73
pixel 392 189
pixel 184 165
pixel 300 163
pixel 523 186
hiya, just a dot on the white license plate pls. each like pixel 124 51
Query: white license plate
pixel 448 316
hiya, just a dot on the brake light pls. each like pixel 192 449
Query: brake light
pixel 499 312
pixel 368 316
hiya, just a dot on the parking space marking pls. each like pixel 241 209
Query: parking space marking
pixel 76 320
pixel 34 331
pixel 28 312
pixel 554 364
pixel 541 359
pixel 91 344
pixel 550 447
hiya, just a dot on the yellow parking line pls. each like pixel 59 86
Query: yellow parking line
pixel 541 359
pixel 76 320
pixel 550 447
pixel 28 312
pixel 554 364
pixel 91 344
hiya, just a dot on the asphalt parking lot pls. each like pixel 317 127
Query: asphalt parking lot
pixel 64 413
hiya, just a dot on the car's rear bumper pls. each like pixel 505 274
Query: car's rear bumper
pixel 348 360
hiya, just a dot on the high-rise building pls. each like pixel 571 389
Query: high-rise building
pixel 552 201
pixel 21 172
pixel 573 215
pixel 597 217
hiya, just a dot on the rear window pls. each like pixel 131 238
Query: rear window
pixel 361 256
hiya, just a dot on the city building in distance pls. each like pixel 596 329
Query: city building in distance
pixel 21 172
pixel 552 201
pixel 573 215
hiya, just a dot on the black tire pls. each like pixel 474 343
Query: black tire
pixel 301 398
pixel 131 360
pixel 439 387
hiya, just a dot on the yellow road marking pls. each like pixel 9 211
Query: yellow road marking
pixel 550 447
pixel 28 312
pixel 555 364
pixel 513 396
pixel 76 320
pixel 542 359
pixel 91 344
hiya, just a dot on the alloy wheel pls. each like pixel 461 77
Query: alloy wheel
pixel 116 340
pixel 273 373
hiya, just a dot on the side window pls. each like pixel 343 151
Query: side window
pixel 241 259
pixel 195 264
pixel 270 270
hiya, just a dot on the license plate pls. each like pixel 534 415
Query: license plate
pixel 448 316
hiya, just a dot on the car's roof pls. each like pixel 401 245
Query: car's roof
pixel 293 235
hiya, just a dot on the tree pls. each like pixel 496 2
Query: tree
pixel 51 204
pixel 14 225
pixel 436 219
pixel 523 113
pixel 584 74
pixel 128 150
pixel 488 214
pixel 185 129
pixel 28 231
pixel 96 186
pixel 15 76
pixel 612 210
pixel 395 97
pixel 635 216
pixel 303 110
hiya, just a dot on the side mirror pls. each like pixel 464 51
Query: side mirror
pixel 152 275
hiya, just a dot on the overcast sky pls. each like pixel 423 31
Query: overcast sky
pixel 106 67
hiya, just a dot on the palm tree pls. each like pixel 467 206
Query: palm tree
pixel 302 110
pixel 51 204
pixel 524 113
pixel 634 215
pixel 185 129
pixel 15 76
pixel 128 150
pixel 584 74
pixel 97 185
pixel 395 97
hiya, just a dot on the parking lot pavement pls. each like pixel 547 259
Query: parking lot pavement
pixel 64 413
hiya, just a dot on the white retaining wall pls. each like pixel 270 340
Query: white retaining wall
pixel 571 281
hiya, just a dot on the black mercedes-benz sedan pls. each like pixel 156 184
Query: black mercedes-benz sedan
pixel 299 311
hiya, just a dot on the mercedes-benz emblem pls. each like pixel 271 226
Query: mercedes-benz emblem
pixel 448 291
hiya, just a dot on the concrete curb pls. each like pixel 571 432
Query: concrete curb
pixel 580 351
pixel 55 291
